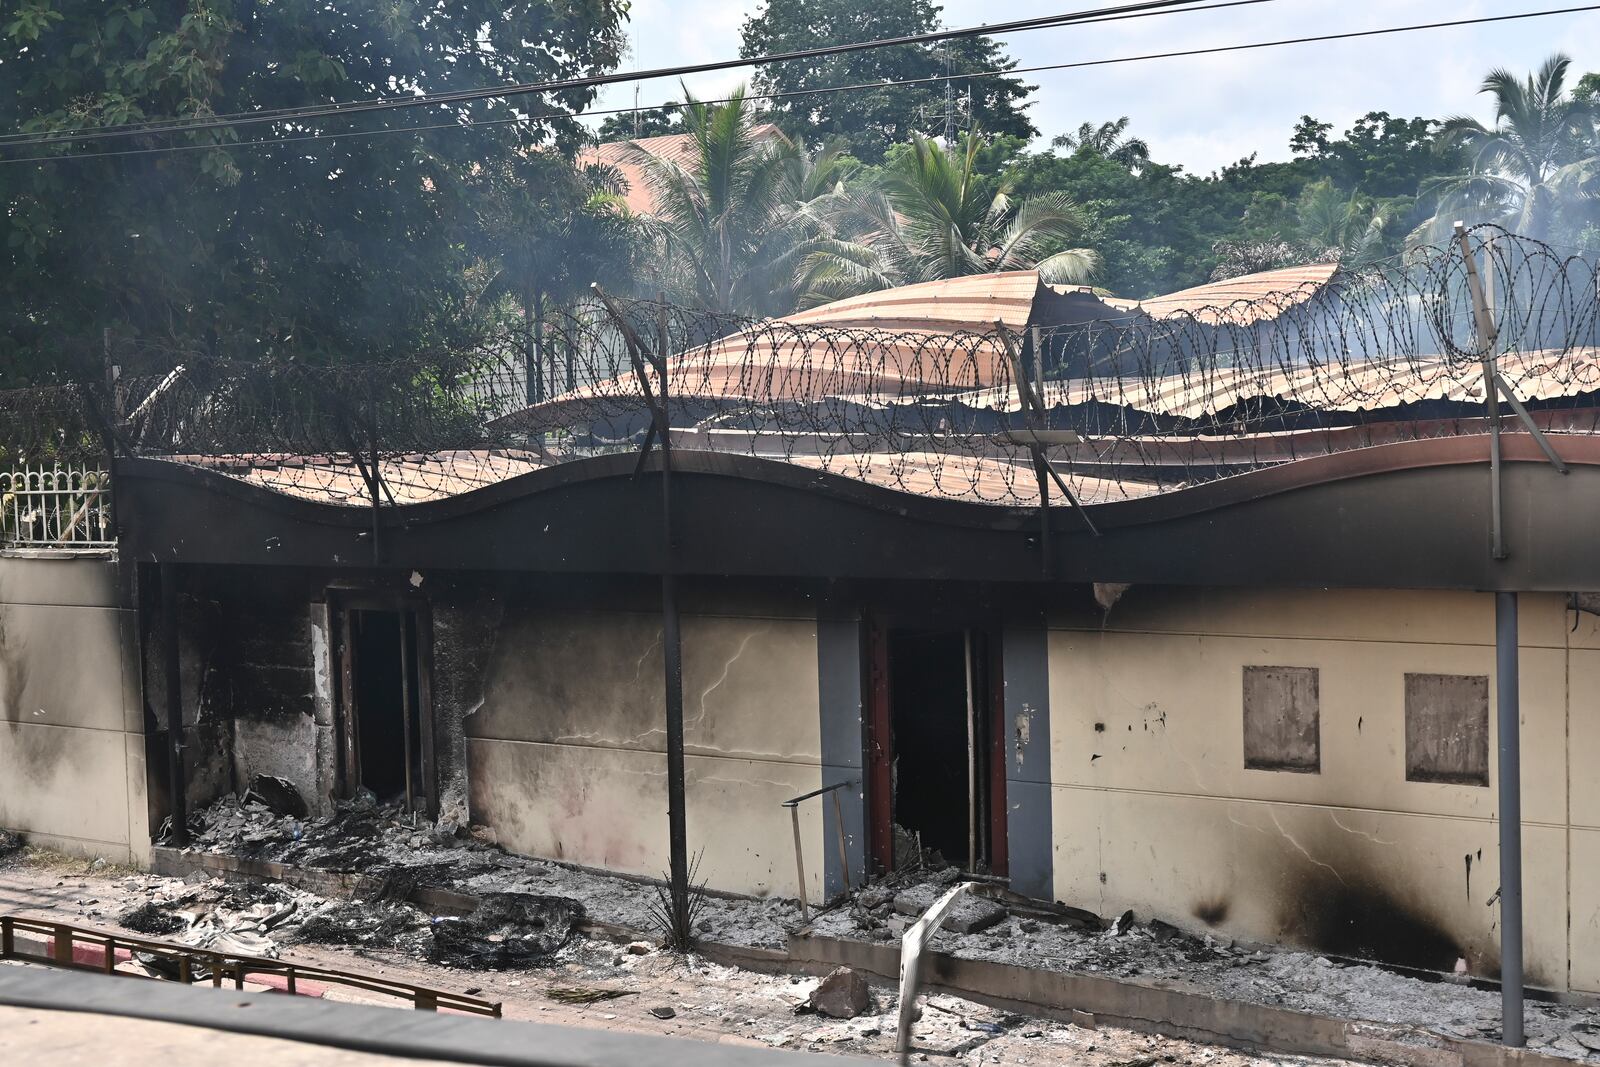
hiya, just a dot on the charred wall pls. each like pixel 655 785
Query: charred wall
pixel 72 761
pixel 1156 807
pixel 252 663
pixel 565 751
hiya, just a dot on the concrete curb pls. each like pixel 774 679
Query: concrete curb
pixel 1170 1012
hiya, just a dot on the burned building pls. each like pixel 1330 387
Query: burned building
pixel 1212 640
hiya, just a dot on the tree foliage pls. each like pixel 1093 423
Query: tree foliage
pixel 1535 170
pixel 932 213
pixel 868 123
pixel 733 224
pixel 334 239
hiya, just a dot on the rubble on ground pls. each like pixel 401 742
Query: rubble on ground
pixel 506 930
pixel 968 915
pixel 844 994
pixel 277 795
pixel 399 854
pixel 10 843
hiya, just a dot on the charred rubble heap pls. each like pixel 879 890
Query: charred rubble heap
pixel 519 911
pixel 409 867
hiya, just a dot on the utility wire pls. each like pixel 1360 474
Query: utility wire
pixel 461 96
pixel 143 126
pixel 854 87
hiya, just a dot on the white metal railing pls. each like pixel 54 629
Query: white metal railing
pixel 56 507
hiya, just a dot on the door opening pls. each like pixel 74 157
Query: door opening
pixel 385 709
pixel 932 700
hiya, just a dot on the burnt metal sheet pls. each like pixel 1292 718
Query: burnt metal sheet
pixel 1447 728
pixel 1246 299
pixel 1282 719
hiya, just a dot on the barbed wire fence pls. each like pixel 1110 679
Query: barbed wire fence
pixel 1123 403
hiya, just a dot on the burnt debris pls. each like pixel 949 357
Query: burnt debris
pixel 506 930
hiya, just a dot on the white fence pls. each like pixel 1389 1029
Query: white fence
pixel 60 507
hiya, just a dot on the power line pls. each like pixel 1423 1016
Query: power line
pixel 1140 7
pixel 853 87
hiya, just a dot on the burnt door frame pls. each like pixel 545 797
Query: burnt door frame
pixel 878 702
pixel 416 638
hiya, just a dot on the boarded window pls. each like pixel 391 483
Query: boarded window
pixel 1281 719
pixel 1447 728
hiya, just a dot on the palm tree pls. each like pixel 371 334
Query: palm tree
pixel 732 222
pixel 1326 225
pixel 931 217
pixel 1347 228
pixel 1108 140
pixel 1530 166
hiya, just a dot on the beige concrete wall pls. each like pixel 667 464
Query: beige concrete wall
pixel 566 755
pixel 72 771
pixel 1154 809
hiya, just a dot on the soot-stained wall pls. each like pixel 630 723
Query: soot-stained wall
pixel 255 680
pixel 566 756
pixel 72 746
pixel 1155 809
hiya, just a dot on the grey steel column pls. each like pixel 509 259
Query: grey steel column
pixel 172 675
pixel 1510 771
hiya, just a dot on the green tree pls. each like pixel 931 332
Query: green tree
pixel 1154 226
pixel 868 122
pixel 1108 139
pixel 1384 155
pixel 734 224
pixel 548 231
pixel 646 122
pixel 1533 170
pixel 1324 224
pixel 932 214
pixel 336 238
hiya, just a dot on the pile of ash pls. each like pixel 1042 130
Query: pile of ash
pixel 246 918
pixel 249 918
pixel 506 930
pixel 398 853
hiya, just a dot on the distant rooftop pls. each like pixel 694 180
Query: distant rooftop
pixel 676 148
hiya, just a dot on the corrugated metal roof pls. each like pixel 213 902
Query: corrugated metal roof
pixel 1372 385
pixel 971 304
pixel 679 148
pixel 411 479
pixel 1248 298
pixel 422 478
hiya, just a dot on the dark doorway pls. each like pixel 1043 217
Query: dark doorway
pixel 932 701
pixel 385 706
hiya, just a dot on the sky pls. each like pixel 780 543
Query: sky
pixel 1203 111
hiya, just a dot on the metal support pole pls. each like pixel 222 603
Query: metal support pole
pixel 1508 721
pixel 174 687
pixel 799 864
pixel 672 654
pixel 844 848
pixel 532 343
pixel 671 642
pixel 539 360
pixel 1487 336
pixel 972 757
pixel 408 709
